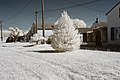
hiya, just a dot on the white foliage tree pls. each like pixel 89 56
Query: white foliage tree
pixel 37 38
pixel 12 31
pixel 79 23
pixel 16 31
pixel 65 36
pixel 20 32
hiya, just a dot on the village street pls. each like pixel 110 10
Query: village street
pixel 41 62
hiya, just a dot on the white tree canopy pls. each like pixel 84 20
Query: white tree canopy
pixel 79 23
pixel 37 37
pixel 65 36
pixel 16 31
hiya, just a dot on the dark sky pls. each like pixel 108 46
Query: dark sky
pixel 21 13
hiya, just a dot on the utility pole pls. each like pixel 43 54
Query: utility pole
pixel 1 31
pixel 43 28
pixel 36 21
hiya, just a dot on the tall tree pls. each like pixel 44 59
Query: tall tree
pixel 66 36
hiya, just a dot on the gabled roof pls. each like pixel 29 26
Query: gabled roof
pixel 112 8
pixel 103 24
pixel 99 25
pixel 48 26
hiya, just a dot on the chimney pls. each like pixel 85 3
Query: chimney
pixel 97 20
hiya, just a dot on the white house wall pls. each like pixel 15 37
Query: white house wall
pixel 113 20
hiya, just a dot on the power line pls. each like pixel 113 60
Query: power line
pixel 15 23
pixel 85 6
pixel 75 5
pixel 20 10
pixel 94 9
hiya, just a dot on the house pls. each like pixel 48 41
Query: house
pixel 113 19
pixel 32 31
pixel 48 26
pixel 96 35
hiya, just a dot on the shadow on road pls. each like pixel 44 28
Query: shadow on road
pixel 48 51
pixel 101 48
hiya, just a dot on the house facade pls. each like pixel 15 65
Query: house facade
pixel 98 35
pixel 113 20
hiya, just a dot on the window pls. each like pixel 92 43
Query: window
pixel 119 12
pixel 112 33
pixel 118 33
pixel 84 37
pixel 115 33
